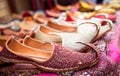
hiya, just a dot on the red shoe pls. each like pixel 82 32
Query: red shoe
pixel 111 17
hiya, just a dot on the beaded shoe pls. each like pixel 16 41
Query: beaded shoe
pixel 57 60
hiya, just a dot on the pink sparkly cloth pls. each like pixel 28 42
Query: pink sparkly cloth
pixel 113 46
pixel 47 74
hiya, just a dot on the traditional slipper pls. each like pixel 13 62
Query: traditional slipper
pixel 69 39
pixel 115 4
pixel 61 27
pixel 107 10
pixel 43 33
pixel 41 18
pixel 58 60
pixel 61 7
pixel 3 39
pixel 1 50
pixel 106 16
pixel 53 13
pixel 35 43
pixel 84 7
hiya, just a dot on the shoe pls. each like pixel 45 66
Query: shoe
pixel 106 16
pixel 43 33
pixel 61 27
pixel 28 25
pixel 58 60
pixel 114 4
pixel 26 14
pixel 53 13
pixel 41 18
pixel 5 22
pixel 70 16
pixel 69 39
pixel 62 8
pixel 1 50
pixel 84 7
pixel 77 16
pixel 105 25
pixel 3 39
pixel 107 10
pixel 35 43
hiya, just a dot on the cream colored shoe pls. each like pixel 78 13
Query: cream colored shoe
pixel 43 34
pixel 86 32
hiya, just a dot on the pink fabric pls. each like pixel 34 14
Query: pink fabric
pixel 47 74
pixel 114 50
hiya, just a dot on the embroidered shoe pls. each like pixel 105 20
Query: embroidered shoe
pixel 57 60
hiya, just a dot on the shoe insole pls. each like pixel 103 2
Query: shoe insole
pixel 24 51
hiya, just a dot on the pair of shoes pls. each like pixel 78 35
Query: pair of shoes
pixel 48 56
pixel 104 25
pixel 67 35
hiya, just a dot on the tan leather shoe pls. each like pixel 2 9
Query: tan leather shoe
pixel 3 39
pixel 61 27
